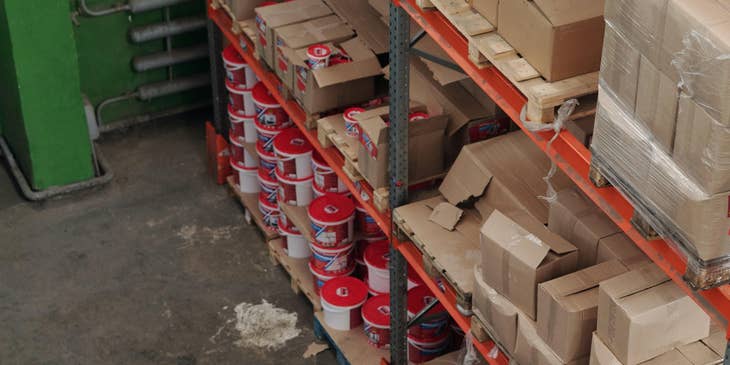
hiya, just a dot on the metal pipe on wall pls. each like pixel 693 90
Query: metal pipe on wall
pixel 173 57
pixel 138 6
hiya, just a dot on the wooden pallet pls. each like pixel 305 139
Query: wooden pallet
pixel 653 225
pixel 252 213
pixel 381 199
pixel 487 48
pixel 331 132
pixel 439 261
pixel 302 280
pixel 351 346
pixel 483 332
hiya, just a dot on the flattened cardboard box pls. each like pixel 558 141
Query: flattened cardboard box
pixel 518 253
pixel 496 311
pixel 642 314
pixel 531 349
pixel 619 247
pixel 695 353
pixel 579 221
pixel 293 37
pixel 339 85
pixel 504 172
pixel 567 309
pixel 425 148
pixel 559 38
pixel 271 17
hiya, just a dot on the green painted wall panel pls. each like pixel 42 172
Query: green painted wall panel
pixel 43 120
pixel 105 53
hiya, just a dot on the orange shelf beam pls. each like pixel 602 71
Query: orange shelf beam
pixel 569 154
pixel 360 190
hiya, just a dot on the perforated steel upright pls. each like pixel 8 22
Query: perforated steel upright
pixel 398 168
pixel 215 47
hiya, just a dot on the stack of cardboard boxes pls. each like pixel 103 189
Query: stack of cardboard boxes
pixel 662 131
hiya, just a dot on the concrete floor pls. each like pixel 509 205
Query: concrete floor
pixel 146 270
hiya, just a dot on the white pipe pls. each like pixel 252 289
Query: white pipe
pixel 101 12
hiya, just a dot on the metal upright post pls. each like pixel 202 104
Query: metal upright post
pixel 398 169
pixel 217 82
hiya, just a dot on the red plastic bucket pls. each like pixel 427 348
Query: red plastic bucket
pixel 247 181
pixel 267 160
pixel 318 56
pixel 325 178
pixel 352 127
pixel 332 217
pixel 237 150
pixel 420 350
pixel 417 116
pixel 413 279
pixel 266 135
pixel 341 300
pixel 438 327
pixel 293 154
pixel 366 224
pixel 296 245
pixel 294 192
pixel 334 260
pixel 321 277
pixel 377 259
pixel 270 212
pixel 267 110
pixel 240 98
pixel 237 71
pixel 269 186
pixel 284 221
pixel 376 315
pixel 242 125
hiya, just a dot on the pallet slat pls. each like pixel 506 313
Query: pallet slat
pixel 302 280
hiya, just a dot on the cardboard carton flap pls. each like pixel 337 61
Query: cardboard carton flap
pixel 516 240
pixel 364 64
pixel 554 242
pixel 424 126
pixel 562 12
pixel 446 215
pixel 375 128
pixel 634 281
pixel 699 353
pixel 466 180
pixel 284 13
pixel 585 279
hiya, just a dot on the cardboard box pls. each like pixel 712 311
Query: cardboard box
pixel 338 85
pixel 498 312
pixel 366 22
pixel 656 103
pixel 504 172
pixel 567 309
pixel 582 129
pixel 488 9
pixel 696 40
pixel 559 38
pixel 579 221
pixel 518 253
pixel 619 247
pixel 271 17
pixel 641 22
pixel 243 9
pixel 293 37
pixel 425 147
pixel 531 349
pixel 702 147
pixel 620 67
pixel 695 353
pixel 643 314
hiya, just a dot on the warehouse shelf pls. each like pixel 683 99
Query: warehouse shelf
pixel 569 155
pixel 361 190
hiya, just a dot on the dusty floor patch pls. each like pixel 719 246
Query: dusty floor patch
pixel 264 325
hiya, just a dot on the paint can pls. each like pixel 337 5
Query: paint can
pixel 296 245
pixel 332 217
pixel 376 316
pixel 321 277
pixel 237 70
pixel 318 55
pixel 293 154
pixel 240 98
pixel 294 192
pixel 366 224
pixel 352 127
pixel 377 259
pixel 420 350
pixel 335 260
pixel 325 178
pixel 267 160
pixel 269 186
pixel 437 327
pixel 270 212
pixel 247 180
pixel 341 300
pixel 267 110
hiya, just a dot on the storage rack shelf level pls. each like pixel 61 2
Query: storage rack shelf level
pixel 568 153
pixel 332 156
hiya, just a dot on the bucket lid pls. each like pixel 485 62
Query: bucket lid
pixel 267 128
pixel 350 113
pixel 331 207
pixel 319 51
pixel 417 116
pixel 289 232
pixel 263 176
pixel 265 202
pixel 419 297
pixel 344 292
pixel 376 311
pixel 288 180
pixel 238 113
pixel 239 88
pixel 231 56
pixel 329 275
pixel 262 95
pixel 377 254
pixel 291 141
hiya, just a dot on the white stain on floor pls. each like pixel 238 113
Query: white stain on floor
pixel 192 234
pixel 264 325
